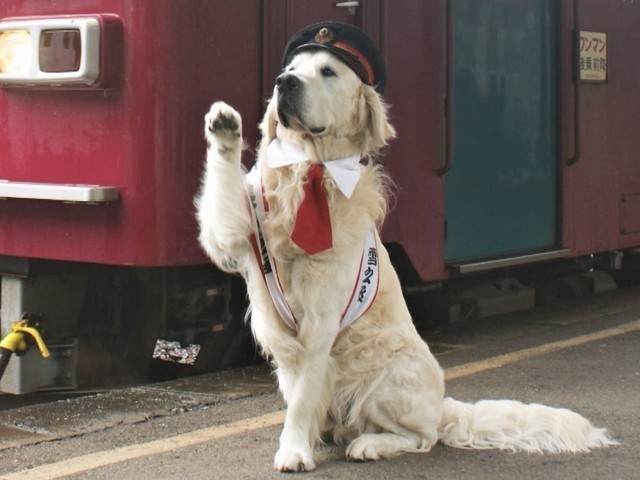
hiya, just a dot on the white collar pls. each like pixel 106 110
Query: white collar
pixel 345 171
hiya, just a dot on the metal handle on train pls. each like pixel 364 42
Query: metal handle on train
pixel 449 101
pixel 576 86
pixel 350 6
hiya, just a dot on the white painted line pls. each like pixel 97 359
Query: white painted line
pixel 85 463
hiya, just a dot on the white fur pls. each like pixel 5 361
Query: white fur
pixel 375 385
pixel 511 425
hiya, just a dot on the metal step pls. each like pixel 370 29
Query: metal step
pixel 475 266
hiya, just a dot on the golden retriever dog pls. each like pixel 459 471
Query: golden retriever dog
pixel 369 381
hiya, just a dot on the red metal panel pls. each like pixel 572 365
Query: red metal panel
pixel 413 35
pixel 145 138
pixel 607 170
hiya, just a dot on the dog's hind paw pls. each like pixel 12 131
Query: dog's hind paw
pixel 293 459
pixel 363 449
pixel 374 446
pixel 223 128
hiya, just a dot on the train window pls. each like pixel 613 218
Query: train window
pixel 15 51
pixel 60 50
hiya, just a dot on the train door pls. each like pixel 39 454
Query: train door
pixel 283 18
pixel 501 191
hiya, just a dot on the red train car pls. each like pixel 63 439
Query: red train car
pixel 516 145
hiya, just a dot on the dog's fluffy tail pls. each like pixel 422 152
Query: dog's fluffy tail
pixel 515 426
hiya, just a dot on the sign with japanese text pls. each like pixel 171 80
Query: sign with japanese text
pixel 593 57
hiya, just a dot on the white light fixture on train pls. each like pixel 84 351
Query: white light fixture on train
pixel 59 52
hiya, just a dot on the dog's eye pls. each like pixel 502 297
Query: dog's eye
pixel 328 72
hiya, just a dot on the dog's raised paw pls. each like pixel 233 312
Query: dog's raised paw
pixel 291 459
pixel 223 127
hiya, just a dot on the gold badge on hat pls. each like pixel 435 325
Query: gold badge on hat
pixel 324 36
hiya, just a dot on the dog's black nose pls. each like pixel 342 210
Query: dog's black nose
pixel 287 82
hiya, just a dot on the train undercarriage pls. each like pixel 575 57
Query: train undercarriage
pixel 107 326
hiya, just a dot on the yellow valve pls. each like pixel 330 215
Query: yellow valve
pixel 15 341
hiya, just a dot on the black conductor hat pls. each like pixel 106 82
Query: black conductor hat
pixel 348 43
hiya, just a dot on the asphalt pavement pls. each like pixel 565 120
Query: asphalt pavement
pixel 582 354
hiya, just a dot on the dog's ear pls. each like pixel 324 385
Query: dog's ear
pixel 270 121
pixel 380 129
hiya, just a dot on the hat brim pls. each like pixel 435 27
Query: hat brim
pixel 346 58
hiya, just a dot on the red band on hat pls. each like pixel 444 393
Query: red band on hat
pixel 363 61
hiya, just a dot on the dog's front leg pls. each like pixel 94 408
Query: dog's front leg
pixel 221 206
pixel 306 402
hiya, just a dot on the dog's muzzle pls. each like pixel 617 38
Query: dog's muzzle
pixel 289 89
pixel 287 83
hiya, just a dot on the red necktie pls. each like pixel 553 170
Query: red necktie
pixel 312 229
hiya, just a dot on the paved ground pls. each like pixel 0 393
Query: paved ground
pixel 582 355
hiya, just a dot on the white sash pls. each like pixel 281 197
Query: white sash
pixel 253 185
pixel 365 287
